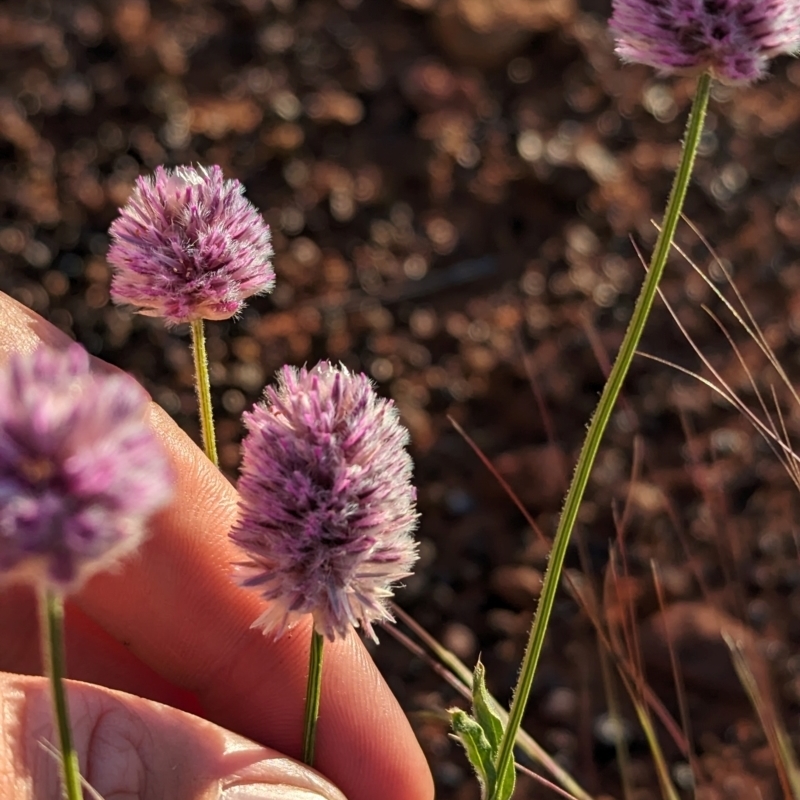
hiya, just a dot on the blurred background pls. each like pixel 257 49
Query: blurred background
pixel 455 188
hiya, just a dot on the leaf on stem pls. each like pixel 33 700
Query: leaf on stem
pixel 477 747
pixel 483 709
pixel 480 735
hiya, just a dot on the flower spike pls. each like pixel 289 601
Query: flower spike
pixel 327 507
pixel 732 39
pixel 189 246
pixel 80 471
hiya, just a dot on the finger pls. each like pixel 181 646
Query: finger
pixel 93 655
pixel 130 747
pixel 175 607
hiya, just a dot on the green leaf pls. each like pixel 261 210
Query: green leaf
pixel 483 710
pixel 478 750
pixel 505 783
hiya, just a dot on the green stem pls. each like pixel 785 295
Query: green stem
pixel 204 390
pixel 51 609
pixel 598 425
pixel 313 689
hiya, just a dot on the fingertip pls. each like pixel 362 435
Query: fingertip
pixel 175 607
pixel 132 747
pixel 24 330
pixel 366 742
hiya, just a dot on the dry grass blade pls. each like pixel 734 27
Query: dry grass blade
pixel 791 465
pixel 783 451
pixel 622 664
pixel 626 622
pixel 603 361
pixel 640 693
pixel 625 602
pixel 544 782
pixel 538 395
pixel 753 328
pixel 776 437
pixel 611 586
pixel 450 660
pixel 778 738
pixel 53 751
pixel 636 473
pixel 668 790
pixel 499 478
pixel 635 687
pixel 620 743
pixel 442 671
pixel 680 689
pixel 725 544
pixel 458 675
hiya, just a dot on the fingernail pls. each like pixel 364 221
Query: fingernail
pixel 268 791
pixel 266 775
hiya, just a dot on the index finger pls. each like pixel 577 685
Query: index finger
pixel 175 605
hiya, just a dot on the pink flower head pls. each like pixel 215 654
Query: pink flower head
pixel 189 246
pixel 734 39
pixel 80 471
pixel 327 506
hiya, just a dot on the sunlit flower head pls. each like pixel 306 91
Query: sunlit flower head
pixel 327 506
pixel 733 39
pixel 188 245
pixel 80 471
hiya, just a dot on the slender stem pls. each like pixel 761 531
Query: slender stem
pixel 51 609
pixel 313 689
pixel 599 422
pixel 204 390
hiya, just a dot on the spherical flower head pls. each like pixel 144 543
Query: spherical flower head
pixel 733 39
pixel 188 246
pixel 80 471
pixel 327 506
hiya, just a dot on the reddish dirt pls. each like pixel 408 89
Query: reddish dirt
pixel 453 187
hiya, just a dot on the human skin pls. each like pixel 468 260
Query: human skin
pixel 170 626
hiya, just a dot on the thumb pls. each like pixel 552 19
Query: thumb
pixel 129 747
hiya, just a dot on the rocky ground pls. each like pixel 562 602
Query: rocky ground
pixel 455 189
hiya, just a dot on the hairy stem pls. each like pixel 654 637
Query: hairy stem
pixel 599 423
pixel 51 610
pixel 203 387
pixel 313 690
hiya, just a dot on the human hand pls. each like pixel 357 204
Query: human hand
pixel 172 627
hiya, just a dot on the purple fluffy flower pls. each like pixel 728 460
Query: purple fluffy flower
pixel 327 506
pixel 80 471
pixel 733 39
pixel 189 246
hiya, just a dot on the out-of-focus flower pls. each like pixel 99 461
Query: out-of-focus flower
pixel 733 39
pixel 189 246
pixel 80 471
pixel 327 506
